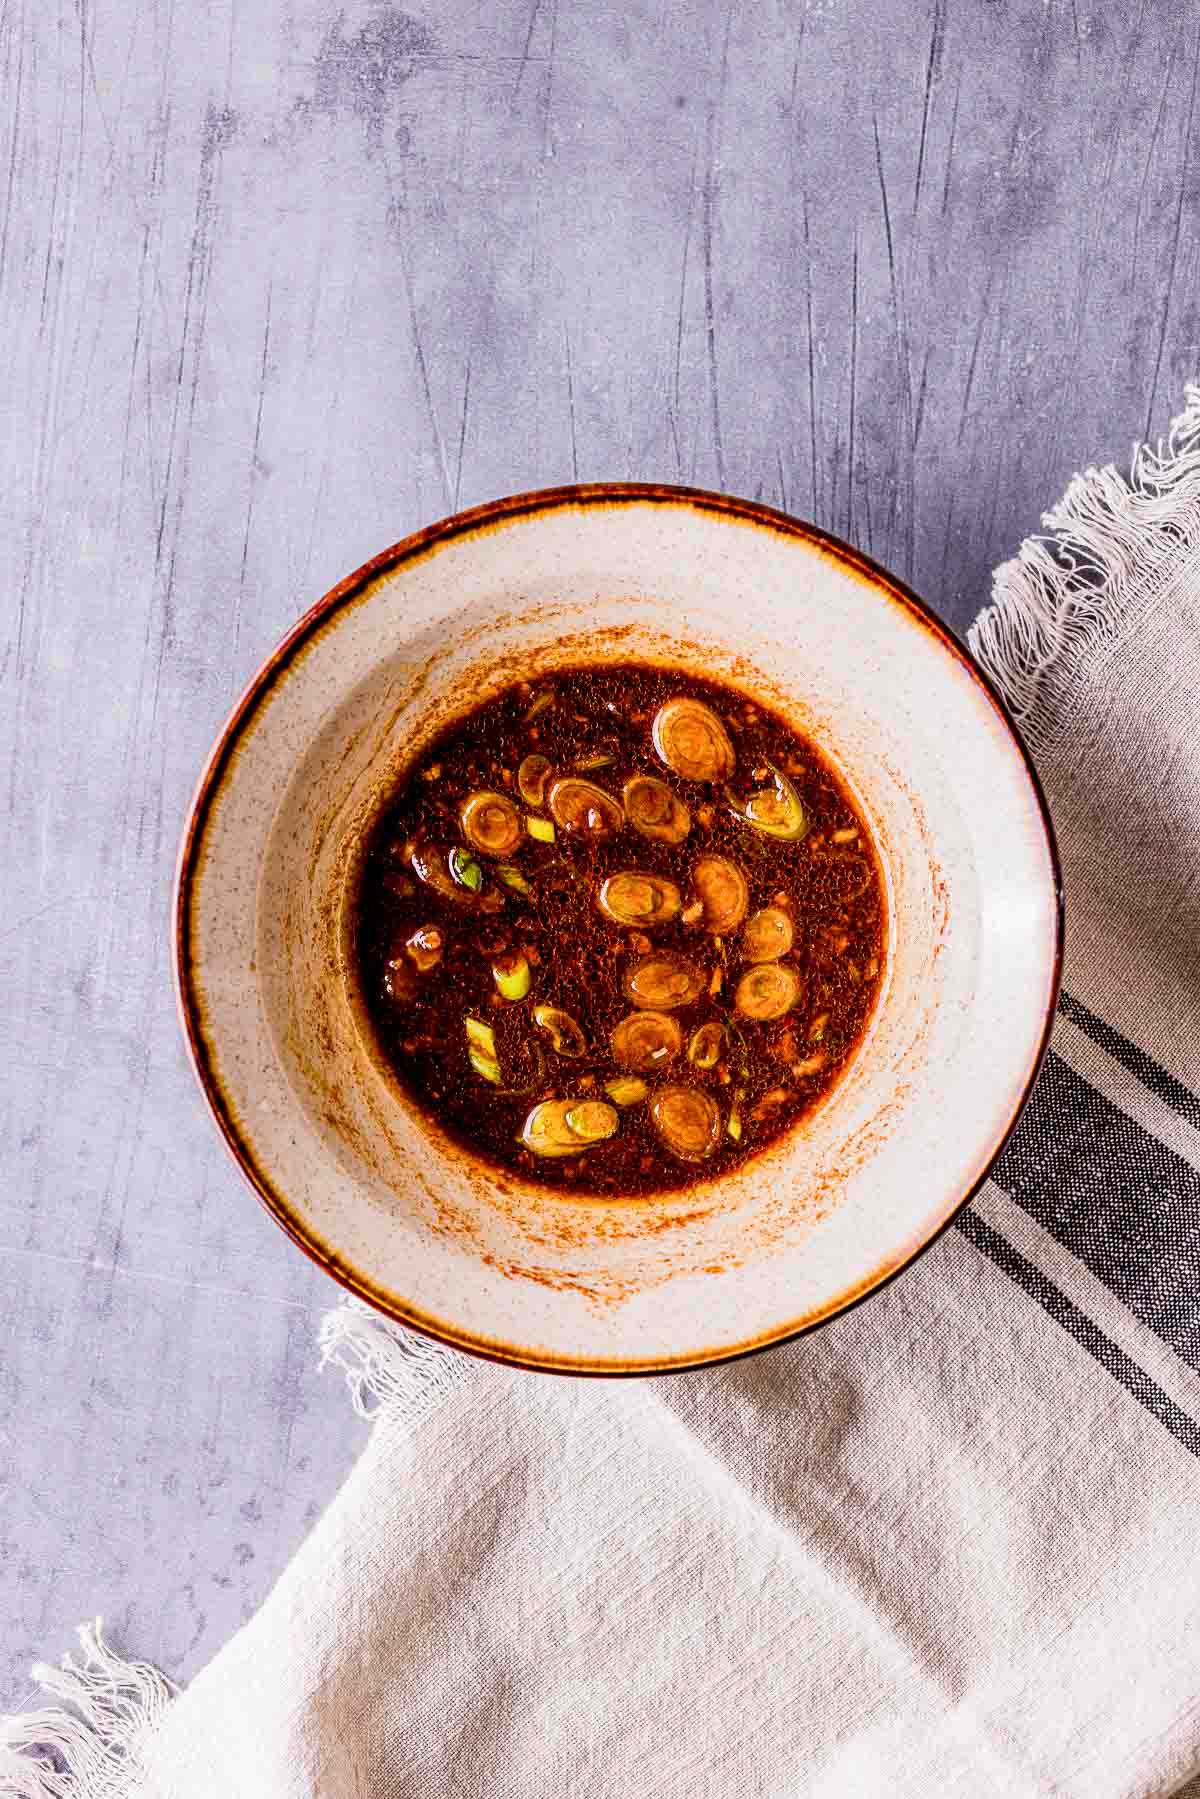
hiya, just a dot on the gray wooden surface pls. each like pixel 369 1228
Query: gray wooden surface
pixel 281 280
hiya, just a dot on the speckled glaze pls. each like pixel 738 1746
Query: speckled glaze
pixel 277 1032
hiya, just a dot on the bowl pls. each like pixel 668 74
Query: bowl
pixel 404 1217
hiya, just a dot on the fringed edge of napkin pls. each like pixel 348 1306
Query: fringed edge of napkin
pixel 1065 596
pixel 88 1745
pixel 91 1742
pixel 386 1366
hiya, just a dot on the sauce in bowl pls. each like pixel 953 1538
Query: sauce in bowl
pixel 620 930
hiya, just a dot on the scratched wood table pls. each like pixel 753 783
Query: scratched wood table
pixel 282 282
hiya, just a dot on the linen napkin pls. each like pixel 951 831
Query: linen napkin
pixel 945 1546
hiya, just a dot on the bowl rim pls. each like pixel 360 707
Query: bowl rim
pixel 478 520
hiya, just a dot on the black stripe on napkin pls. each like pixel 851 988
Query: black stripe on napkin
pixel 1113 1195
pixel 1152 1074
pixel 1085 1332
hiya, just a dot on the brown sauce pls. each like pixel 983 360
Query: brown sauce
pixel 620 930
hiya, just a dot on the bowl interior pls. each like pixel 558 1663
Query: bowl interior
pixel 402 1214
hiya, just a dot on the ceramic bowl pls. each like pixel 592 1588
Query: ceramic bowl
pixel 276 1029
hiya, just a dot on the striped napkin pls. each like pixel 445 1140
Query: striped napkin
pixel 945 1546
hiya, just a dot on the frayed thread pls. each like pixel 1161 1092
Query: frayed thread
pixel 1107 555
pixel 89 1744
pixel 386 1367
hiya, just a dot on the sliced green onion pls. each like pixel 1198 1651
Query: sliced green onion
pixel 465 869
pixel 481 1036
pixel 532 776
pixel 562 1030
pixel 733 1124
pixel 776 810
pixel 512 975
pixel 601 759
pixel 512 877
pixel 566 1127
pixel 539 703
pixel 704 1050
pixel 540 829
pixel 592 1120
pixel 483 1065
pixel 626 1090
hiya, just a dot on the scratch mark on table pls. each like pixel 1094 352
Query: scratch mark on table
pixel 1173 260
pixel 54 905
pixel 683 272
pixel 919 408
pixel 1155 133
pixel 524 62
pixel 571 405
pixel 422 365
pixel 931 74
pixel 853 390
pixel 252 477
pixel 548 83
pixel 812 372
pixel 710 193
pixel 980 328
pixel 908 432
pixel 111 1270
pixel 217 131
pixel 462 433
pixel 887 217
pixel 15 114
pixel 950 141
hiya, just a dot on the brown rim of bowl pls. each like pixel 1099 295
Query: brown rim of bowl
pixel 479 519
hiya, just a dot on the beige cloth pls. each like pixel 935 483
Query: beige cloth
pixel 947 1545
pixel 926 1552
